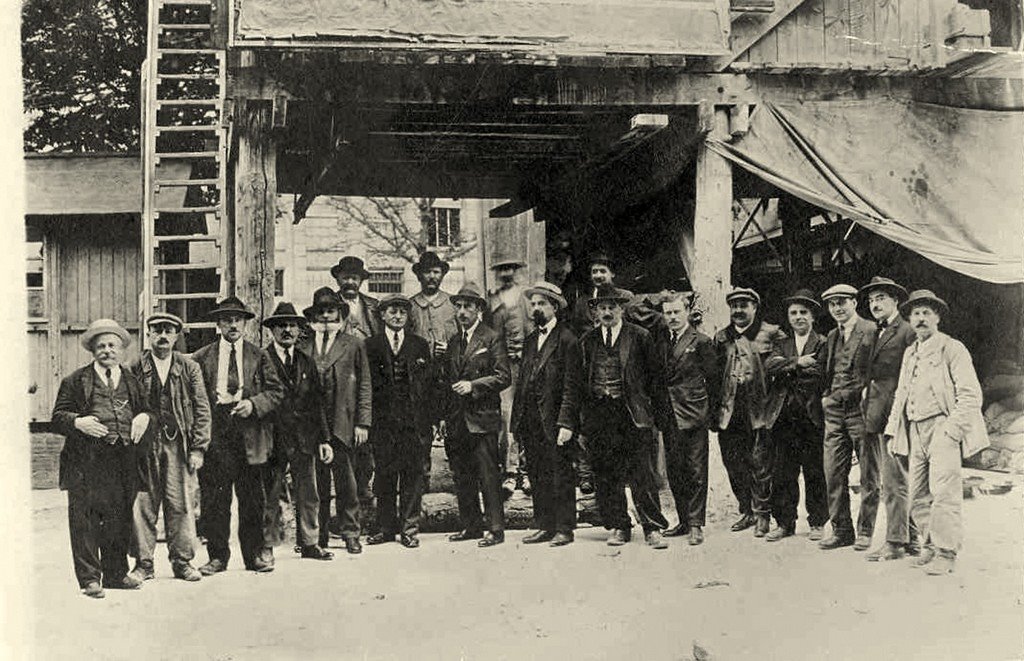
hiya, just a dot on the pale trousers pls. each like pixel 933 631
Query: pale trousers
pixel 172 489
pixel 936 484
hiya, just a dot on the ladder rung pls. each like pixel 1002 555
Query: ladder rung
pixel 188 51
pixel 188 154
pixel 186 237
pixel 187 102
pixel 185 26
pixel 200 266
pixel 187 76
pixel 187 182
pixel 186 297
pixel 210 209
pixel 187 129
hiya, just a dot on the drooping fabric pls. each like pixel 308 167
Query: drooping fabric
pixel 944 182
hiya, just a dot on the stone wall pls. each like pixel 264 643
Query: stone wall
pixel 46 449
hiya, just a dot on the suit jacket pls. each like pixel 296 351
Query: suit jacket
pixel 368 305
pixel 641 378
pixel 883 373
pixel 794 386
pixel 260 385
pixel 946 366
pixel 691 377
pixel 78 466
pixel 764 339
pixel 861 338
pixel 552 369
pixel 485 365
pixel 188 397
pixel 300 424
pixel 345 383
pixel 393 411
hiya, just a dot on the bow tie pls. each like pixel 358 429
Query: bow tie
pixel 543 330
pixel 882 325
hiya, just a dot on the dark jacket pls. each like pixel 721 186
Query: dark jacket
pixel 883 373
pixel 553 369
pixel 485 365
pixel 345 380
pixel 188 397
pixel 858 347
pixel 393 412
pixel 300 424
pixel 691 377
pixel 763 338
pixel 78 465
pixel 368 305
pixel 798 387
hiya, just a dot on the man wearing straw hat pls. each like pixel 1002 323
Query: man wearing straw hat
pixel 178 442
pixel 103 412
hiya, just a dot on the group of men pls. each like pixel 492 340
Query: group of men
pixel 353 391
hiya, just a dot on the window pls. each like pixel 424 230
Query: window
pixel 385 282
pixel 278 282
pixel 34 274
pixel 443 231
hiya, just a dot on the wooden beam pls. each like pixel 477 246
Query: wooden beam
pixel 748 29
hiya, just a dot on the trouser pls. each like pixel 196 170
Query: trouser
pixel 844 435
pixel 346 492
pixel 894 488
pixel 936 484
pixel 584 469
pixel 686 462
pixel 305 497
pixel 401 458
pixel 226 467
pixel 798 446
pixel 552 477
pixel 747 455
pixel 622 454
pixel 99 516
pixel 512 456
pixel 364 468
pixel 170 486
pixel 474 463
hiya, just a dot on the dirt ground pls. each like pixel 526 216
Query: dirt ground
pixel 735 597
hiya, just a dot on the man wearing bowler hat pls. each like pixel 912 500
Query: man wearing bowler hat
pixel 935 420
pixel 175 452
pixel 102 412
pixel 244 390
pixel 744 416
pixel 892 338
pixel 797 432
pixel 301 435
pixel 844 371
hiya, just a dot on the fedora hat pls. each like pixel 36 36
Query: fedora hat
pixel 743 293
pixel 165 318
pixel 282 313
pixel 805 297
pixel 101 327
pixel 601 258
pixel 611 293
pixel 550 291
pixel 507 262
pixel 323 298
pixel 230 305
pixel 897 291
pixel 839 291
pixel 394 299
pixel 350 264
pixel 471 292
pixel 430 260
pixel 921 296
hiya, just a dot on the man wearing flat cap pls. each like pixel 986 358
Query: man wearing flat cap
pixel 612 401
pixel 301 435
pixel 402 380
pixel 935 420
pixel 103 412
pixel 844 370
pixel 344 370
pixel 797 432
pixel 744 416
pixel 476 369
pixel 244 390
pixel 550 359
pixel 892 338
pixel 178 442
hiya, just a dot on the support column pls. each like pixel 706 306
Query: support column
pixel 712 228
pixel 253 212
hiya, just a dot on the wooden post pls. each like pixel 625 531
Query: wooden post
pixel 712 228
pixel 254 211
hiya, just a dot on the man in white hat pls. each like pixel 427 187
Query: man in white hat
pixel 103 413
pixel 177 395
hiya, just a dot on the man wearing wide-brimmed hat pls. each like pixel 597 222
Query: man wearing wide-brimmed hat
pixel 244 389
pixel 175 452
pixel 892 338
pixel 601 271
pixel 935 420
pixel 103 412
pixel 432 315
pixel 350 273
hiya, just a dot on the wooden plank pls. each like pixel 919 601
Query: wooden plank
pixel 712 229
pixel 104 280
pixel 860 22
pixel 766 49
pixel 837 30
pixel 747 31
pixel 887 32
pixel 788 39
pixel 810 28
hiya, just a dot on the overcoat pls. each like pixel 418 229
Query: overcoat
pixel 801 383
pixel 300 424
pixel 763 338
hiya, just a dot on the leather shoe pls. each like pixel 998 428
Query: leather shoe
pixel 618 537
pixel 925 558
pixel 264 562
pixel 761 526
pixel 863 543
pixel 834 541
pixel 143 570
pixel 353 546
pixel 126 582
pixel 696 536
pixel 943 563
pixel 491 539
pixel 214 566
pixel 561 539
pixel 655 540
pixel 780 532
pixel 409 541
pixel 94 589
pixel 464 535
pixel 187 572
pixel 539 537
pixel 314 552
pixel 379 538
pixel 677 530
pixel 887 551
pixel 744 522
pixel 816 534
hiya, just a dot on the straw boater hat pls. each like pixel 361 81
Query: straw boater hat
pixel 350 264
pixel 839 291
pixel 284 312
pixel 323 298
pixel 429 260
pixel 165 318
pixel 101 327
pixel 611 293
pixel 549 291
pixel 804 297
pixel 470 292
pixel 885 284
pixel 743 294
pixel 924 296
pixel 508 262
pixel 394 299
pixel 229 306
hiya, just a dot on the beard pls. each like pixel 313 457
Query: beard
pixel 538 318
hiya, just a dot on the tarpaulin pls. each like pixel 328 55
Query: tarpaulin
pixel 947 183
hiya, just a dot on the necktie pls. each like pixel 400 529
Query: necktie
pixel 288 363
pixel 233 371
pixel 465 341
pixel 608 338
pixel 675 337
pixel 323 345
pixel 110 379
pixel 395 343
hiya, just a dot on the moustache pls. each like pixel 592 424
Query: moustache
pixel 286 335
pixel 921 324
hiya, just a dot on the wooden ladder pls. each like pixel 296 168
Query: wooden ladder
pixel 185 152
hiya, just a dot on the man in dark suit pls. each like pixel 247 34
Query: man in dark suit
pixel 893 337
pixel 300 433
pixel 476 367
pixel 244 390
pixel 692 383
pixel 611 402
pixel 103 412
pixel 348 404
pixel 797 433
pixel 550 358
pixel 401 374
pixel 844 370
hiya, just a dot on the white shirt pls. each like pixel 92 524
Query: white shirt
pixel 115 374
pixel 163 367
pixel 331 336
pixel 888 322
pixel 616 329
pixel 847 328
pixel 223 354
pixel 801 342
pixel 469 332
pixel 284 353
pixel 392 342
pixel 543 337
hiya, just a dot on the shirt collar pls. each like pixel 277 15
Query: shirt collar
pixel 283 352
pixel 550 325
pixel 472 329
pixel 226 346
pixel 115 371
pixel 162 361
